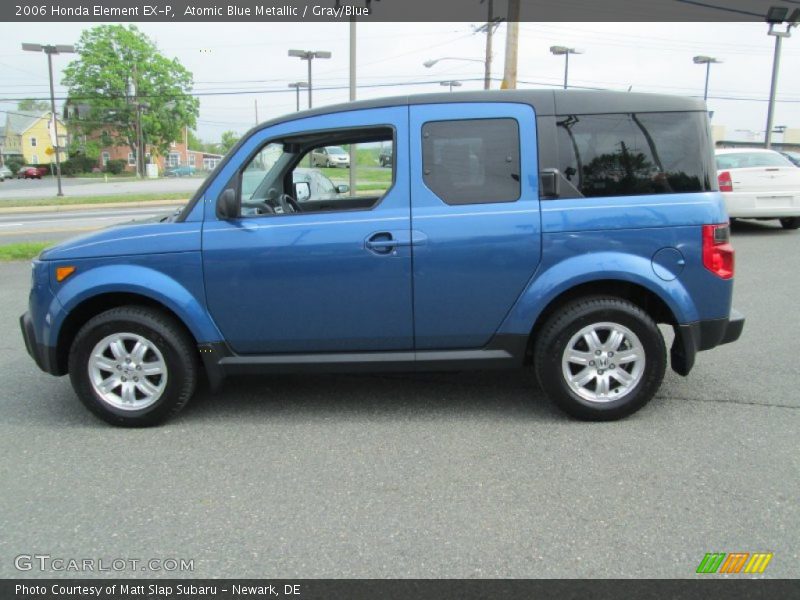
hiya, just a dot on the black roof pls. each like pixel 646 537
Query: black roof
pixel 544 102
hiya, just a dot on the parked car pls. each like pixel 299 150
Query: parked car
pixel 581 221
pixel 385 157
pixel 330 156
pixel 759 184
pixel 792 156
pixel 181 171
pixel 5 173
pixel 29 172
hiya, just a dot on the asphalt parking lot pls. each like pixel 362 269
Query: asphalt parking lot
pixel 438 475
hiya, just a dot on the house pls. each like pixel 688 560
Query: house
pixel 30 135
pixel 178 154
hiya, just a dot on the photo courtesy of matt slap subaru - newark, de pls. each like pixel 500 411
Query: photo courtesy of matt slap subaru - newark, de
pixel 551 230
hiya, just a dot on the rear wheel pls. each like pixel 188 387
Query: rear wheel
pixel 790 222
pixel 600 358
pixel 133 366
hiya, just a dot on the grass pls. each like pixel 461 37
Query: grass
pixel 374 175
pixel 22 250
pixel 109 199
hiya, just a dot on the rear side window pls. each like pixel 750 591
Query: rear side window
pixel 474 161
pixel 636 153
pixel 743 160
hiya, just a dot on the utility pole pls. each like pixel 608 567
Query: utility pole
pixel 512 46
pixel 352 98
pixel 487 77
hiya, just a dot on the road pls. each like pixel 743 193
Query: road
pixel 21 189
pixel 54 226
pixel 439 475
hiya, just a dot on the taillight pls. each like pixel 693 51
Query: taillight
pixel 717 250
pixel 725 182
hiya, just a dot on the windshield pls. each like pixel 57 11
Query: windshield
pixel 258 169
pixel 335 150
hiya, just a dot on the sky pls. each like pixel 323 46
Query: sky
pixel 251 58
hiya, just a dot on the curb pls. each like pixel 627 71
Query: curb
pixel 97 206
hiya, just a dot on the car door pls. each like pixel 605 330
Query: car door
pixel 475 218
pixel 327 281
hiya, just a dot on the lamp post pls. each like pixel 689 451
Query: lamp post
pixel 451 84
pixel 707 61
pixel 558 51
pixel 297 85
pixel 429 63
pixel 50 50
pixel 309 55
pixel 777 16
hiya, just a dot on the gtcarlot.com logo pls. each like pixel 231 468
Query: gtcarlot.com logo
pixel 735 562
pixel 48 563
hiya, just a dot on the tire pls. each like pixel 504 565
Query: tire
pixel 613 400
pixel 168 343
pixel 790 222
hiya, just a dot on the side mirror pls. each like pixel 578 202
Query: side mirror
pixel 302 191
pixel 550 183
pixel 342 188
pixel 227 205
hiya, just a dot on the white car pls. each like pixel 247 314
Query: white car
pixel 759 184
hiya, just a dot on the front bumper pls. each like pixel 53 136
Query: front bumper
pixel 44 356
pixel 703 335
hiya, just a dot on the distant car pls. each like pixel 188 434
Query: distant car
pixel 792 156
pixel 385 157
pixel 31 172
pixel 182 171
pixel 330 156
pixel 5 173
pixel 759 184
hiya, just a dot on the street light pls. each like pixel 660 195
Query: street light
pixel 50 50
pixel 707 61
pixel 429 63
pixel 776 15
pixel 297 85
pixel 309 55
pixel 558 51
pixel 451 84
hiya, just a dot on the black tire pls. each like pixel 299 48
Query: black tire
pixel 566 323
pixel 177 348
pixel 790 222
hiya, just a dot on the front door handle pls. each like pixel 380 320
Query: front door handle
pixel 384 242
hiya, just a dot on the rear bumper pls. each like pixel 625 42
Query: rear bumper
pixel 762 204
pixel 703 335
pixel 44 356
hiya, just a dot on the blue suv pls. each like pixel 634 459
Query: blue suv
pixel 554 229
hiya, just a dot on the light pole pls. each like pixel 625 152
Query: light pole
pixel 309 55
pixel 707 61
pixel 429 63
pixel 451 84
pixel 776 16
pixel 558 51
pixel 50 50
pixel 297 85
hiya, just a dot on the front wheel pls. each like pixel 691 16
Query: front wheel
pixel 133 366
pixel 600 358
pixel 790 222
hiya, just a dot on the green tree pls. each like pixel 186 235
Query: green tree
pixel 228 141
pixel 119 67
pixel 33 105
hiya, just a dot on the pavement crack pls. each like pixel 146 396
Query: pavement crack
pixel 718 401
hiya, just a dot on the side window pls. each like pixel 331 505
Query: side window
pixel 312 173
pixel 473 161
pixel 635 153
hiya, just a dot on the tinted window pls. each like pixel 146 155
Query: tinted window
pixel 472 161
pixel 636 153
pixel 743 160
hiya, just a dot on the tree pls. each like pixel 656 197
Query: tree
pixel 33 105
pixel 120 72
pixel 228 141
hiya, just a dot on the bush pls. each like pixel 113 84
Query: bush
pixel 15 164
pixel 116 166
pixel 76 164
